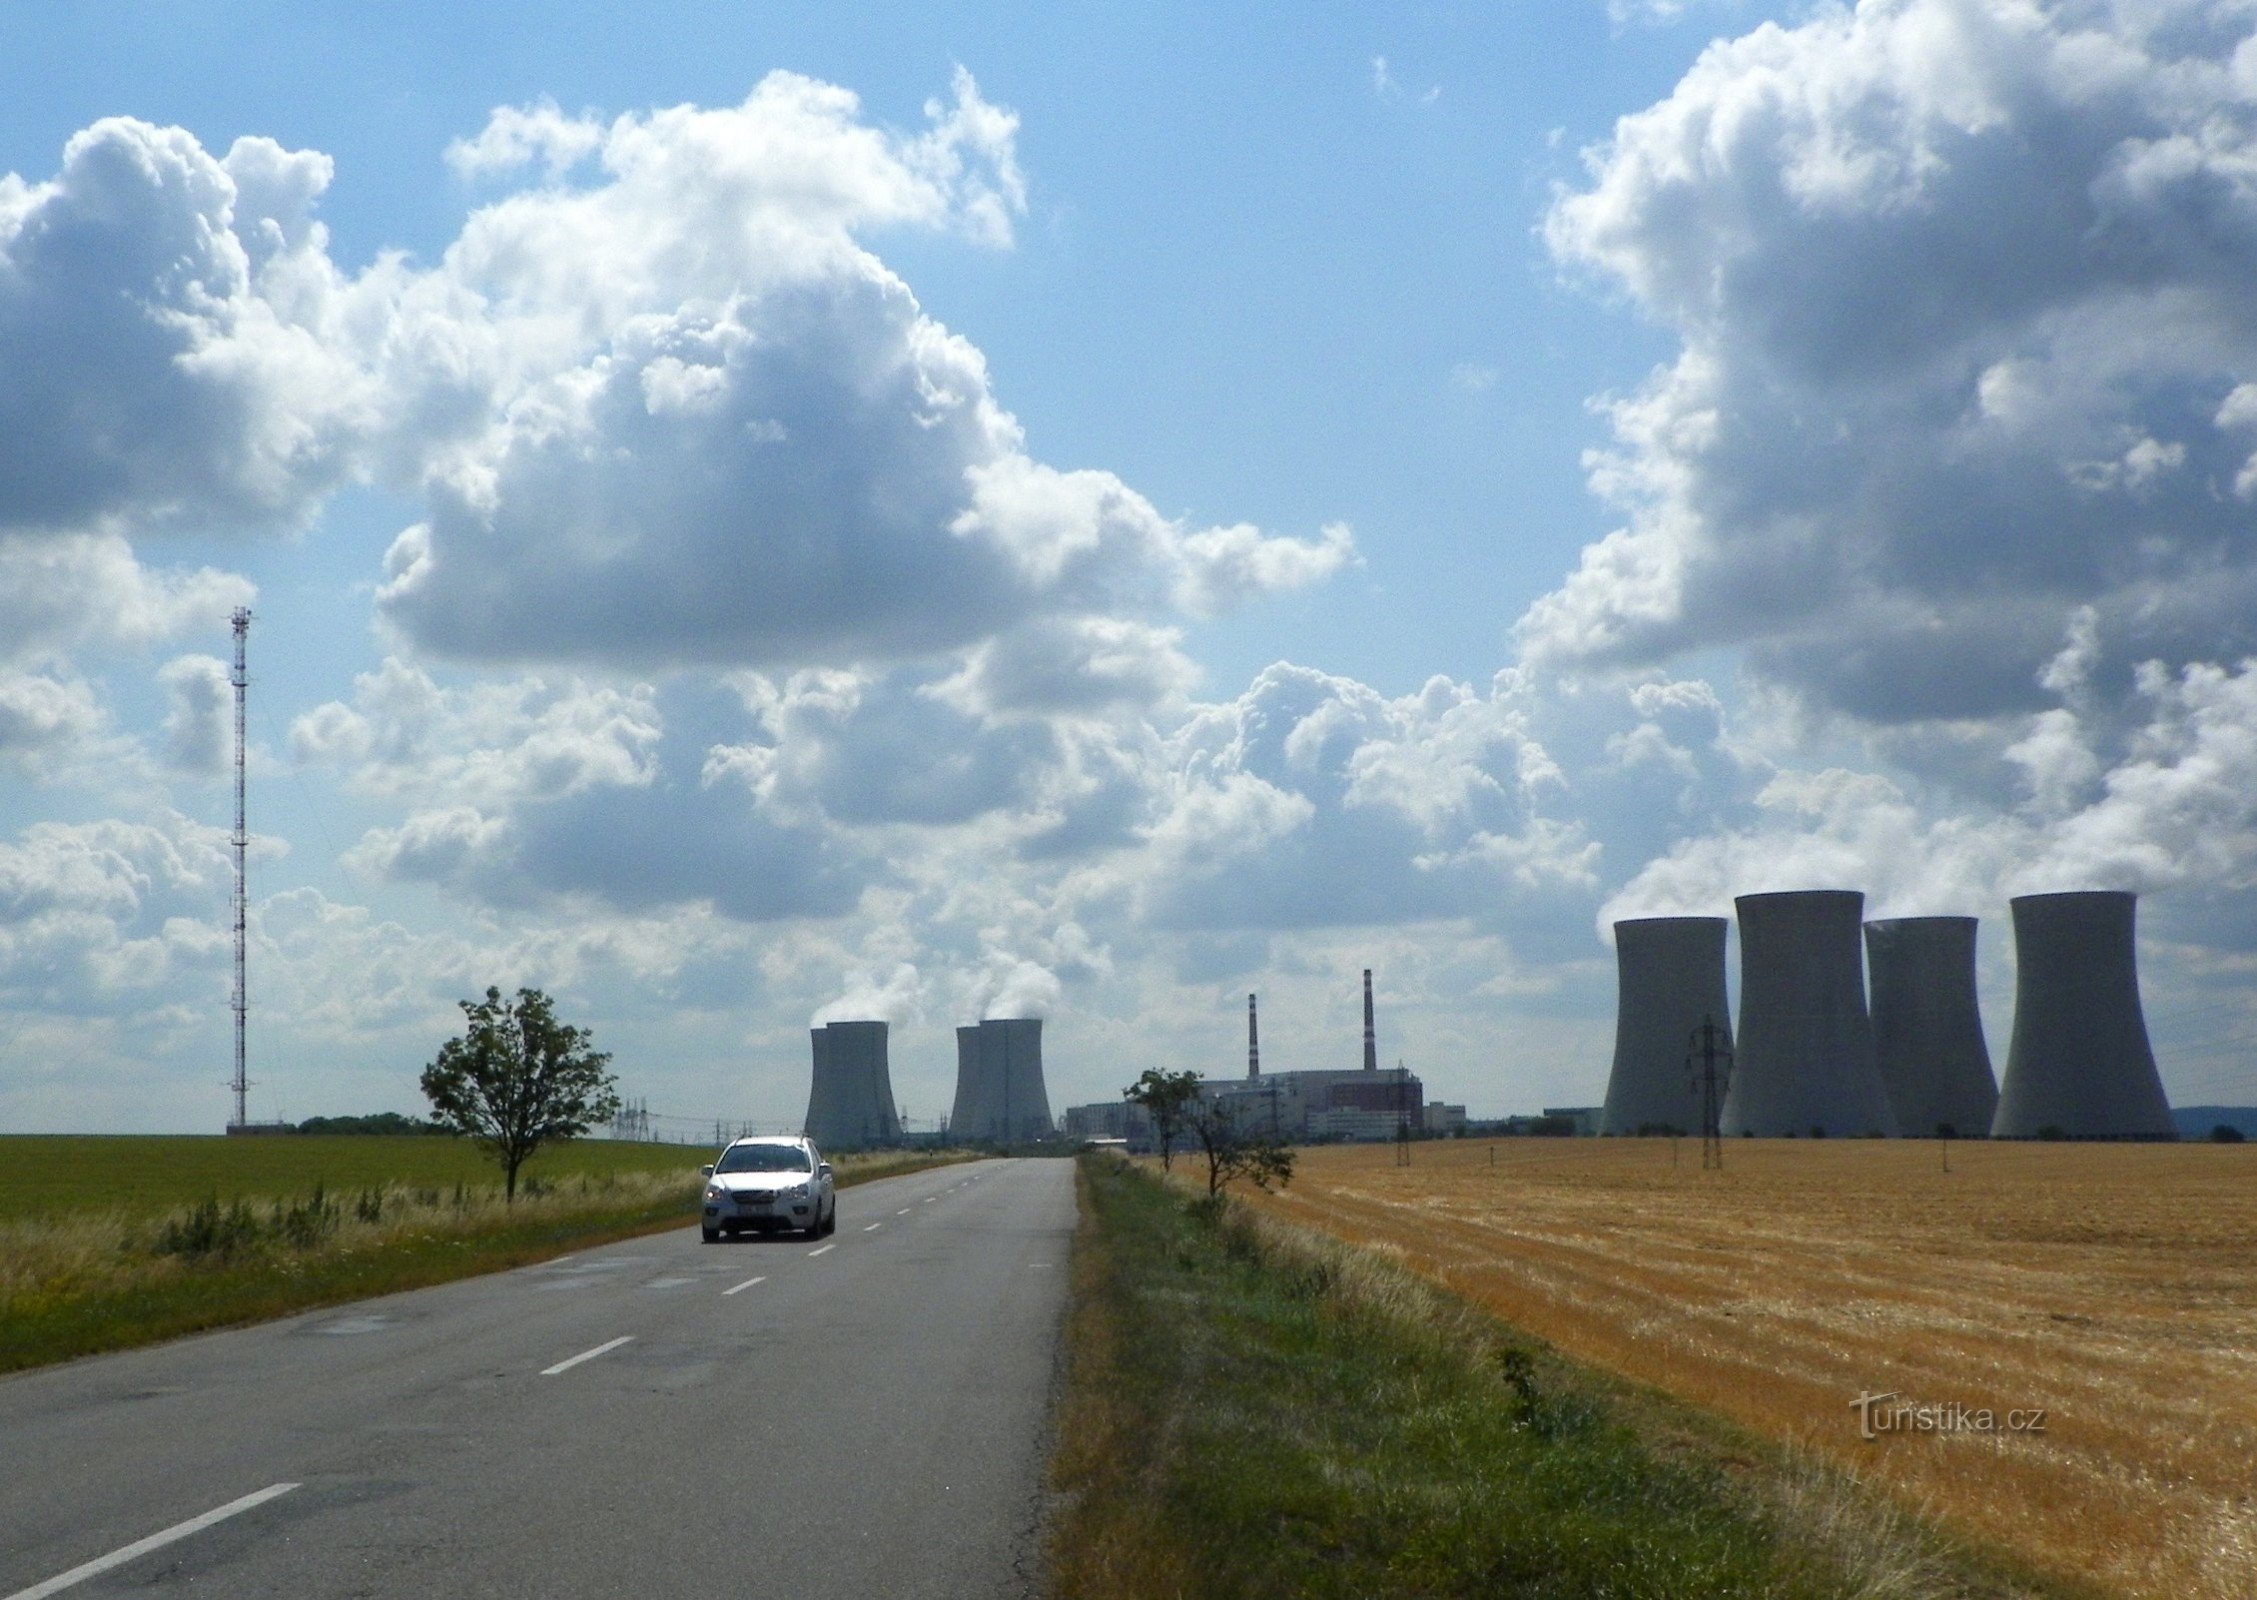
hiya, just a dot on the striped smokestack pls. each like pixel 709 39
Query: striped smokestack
pixel 1371 1037
pixel 1253 1042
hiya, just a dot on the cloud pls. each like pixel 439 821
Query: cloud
pixel 1960 291
pixel 160 328
pixel 2177 810
pixel 199 694
pixel 717 430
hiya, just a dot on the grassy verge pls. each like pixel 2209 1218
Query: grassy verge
pixel 1254 1411
pixel 86 1282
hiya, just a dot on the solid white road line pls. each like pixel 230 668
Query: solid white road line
pixel 822 1249
pixel 873 1227
pixel 587 1355
pixel 742 1287
pixel 141 1547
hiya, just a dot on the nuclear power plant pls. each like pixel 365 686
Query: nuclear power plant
pixel 1000 1098
pixel 1805 1063
pixel 1670 974
pixel 850 1105
pixel 1928 1025
pixel 2079 1065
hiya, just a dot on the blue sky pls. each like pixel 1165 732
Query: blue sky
pixel 1093 515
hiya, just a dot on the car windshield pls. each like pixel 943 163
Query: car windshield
pixel 763 1158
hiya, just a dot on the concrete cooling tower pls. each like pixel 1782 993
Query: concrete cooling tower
pixel 1671 975
pixel 1928 1025
pixel 1805 1063
pixel 850 1105
pixel 1000 1097
pixel 2079 1064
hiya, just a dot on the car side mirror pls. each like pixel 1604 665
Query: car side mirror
pixel 826 1169
pixel 707 1169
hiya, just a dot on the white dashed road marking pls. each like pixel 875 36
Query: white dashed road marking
pixel 742 1287
pixel 587 1355
pixel 141 1547
pixel 873 1227
pixel 822 1250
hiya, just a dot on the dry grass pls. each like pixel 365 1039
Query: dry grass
pixel 2114 1286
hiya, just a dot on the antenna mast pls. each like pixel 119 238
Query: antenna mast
pixel 241 841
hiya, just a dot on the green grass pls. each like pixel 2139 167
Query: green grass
pixel 1250 1412
pixel 240 1238
pixel 137 1175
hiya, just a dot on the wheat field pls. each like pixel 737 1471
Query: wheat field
pixel 2112 1286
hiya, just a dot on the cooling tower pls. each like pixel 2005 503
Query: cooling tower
pixel 1805 1054
pixel 1671 976
pixel 1928 1025
pixel 970 1112
pixel 1000 1096
pixel 850 1104
pixel 2079 1064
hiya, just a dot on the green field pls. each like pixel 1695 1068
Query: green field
pixel 133 1175
pixel 110 1242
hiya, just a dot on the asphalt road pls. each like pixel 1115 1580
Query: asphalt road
pixel 642 1419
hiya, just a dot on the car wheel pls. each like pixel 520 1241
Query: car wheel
pixel 709 1235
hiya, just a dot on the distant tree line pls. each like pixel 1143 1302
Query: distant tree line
pixel 381 1122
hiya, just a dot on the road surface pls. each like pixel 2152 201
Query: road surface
pixel 860 1415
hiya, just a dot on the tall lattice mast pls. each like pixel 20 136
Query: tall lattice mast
pixel 241 841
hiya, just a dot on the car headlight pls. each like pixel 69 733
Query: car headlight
pixel 714 1191
pixel 799 1191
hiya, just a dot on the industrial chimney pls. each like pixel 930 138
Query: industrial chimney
pixel 850 1102
pixel 1253 1042
pixel 1928 1025
pixel 2079 1063
pixel 1670 972
pixel 1805 1064
pixel 1371 1037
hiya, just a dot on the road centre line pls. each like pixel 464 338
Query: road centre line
pixel 141 1547
pixel 873 1227
pixel 821 1250
pixel 903 1212
pixel 929 1199
pixel 587 1355
pixel 742 1287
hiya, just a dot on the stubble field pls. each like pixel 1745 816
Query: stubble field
pixel 2112 1286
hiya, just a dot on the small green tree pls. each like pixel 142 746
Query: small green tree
pixel 1234 1151
pixel 1167 1098
pixel 517 1078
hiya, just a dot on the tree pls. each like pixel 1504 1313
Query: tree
pixel 517 1078
pixel 1168 1099
pixel 1234 1151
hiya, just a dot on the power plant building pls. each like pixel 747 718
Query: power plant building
pixel 1670 973
pixel 1805 1064
pixel 2079 1065
pixel 1928 1025
pixel 1000 1097
pixel 850 1103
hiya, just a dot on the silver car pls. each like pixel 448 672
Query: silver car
pixel 769 1185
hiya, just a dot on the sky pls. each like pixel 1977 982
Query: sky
pixel 763 514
